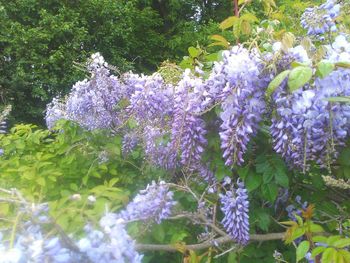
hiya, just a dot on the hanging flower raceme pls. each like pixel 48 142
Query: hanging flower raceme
pixel 153 203
pixel 157 148
pixel 55 110
pixel 151 100
pixel 110 244
pixel 320 19
pixel 306 126
pixel 92 102
pixel 130 141
pixel 330 121
pixel 339 51
pixel 242 102
pixel 188 129
pixel 235 206
pixel 289 128
pixel 32 242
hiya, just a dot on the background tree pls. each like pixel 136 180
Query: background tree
pixel 40 40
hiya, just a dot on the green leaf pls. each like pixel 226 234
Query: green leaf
pixel 344 242
pixel 221 44
pixel 314 228
pixel 232 257
pixel 41 181
pixel 324 68
pixel 274 84
pixel 264 220
pixel 243 171
pixel 158 232
pixel 269 191
pixel 339 99
pixel 229 22
pixel 328 255
pixel 343 64
pixel 252 181
pixel 316 251
pixel 194 52
pixel 249 17
pixel 332 239
pixel 221 172
pixel 298 77
pixel 298 232
pixel 220 39
pixel 267 177
pixel 302 249
pixel 345 254
pixel 299 220
pixel 320 239
pixel 282 179
pixel 194 257
pixel 289 223
pixel 295 64
pixel 179 236
pixel 212 57
pixel 4 209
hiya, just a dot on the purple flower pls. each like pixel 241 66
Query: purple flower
pixel 235 206
pixel 129 142
pixel 320 19
pixel 242 102
pixel 153 203
pixel 208 176
pixel 188 129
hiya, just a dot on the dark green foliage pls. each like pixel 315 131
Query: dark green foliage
pixel 40 40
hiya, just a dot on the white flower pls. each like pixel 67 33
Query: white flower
pixel 276 46
pixel 91 199
pixel 301 53
pixel 76 197
pixel 13 255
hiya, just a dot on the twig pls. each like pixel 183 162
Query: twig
pixel 205 245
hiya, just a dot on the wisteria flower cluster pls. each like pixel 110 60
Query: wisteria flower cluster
pixel 111 244
pixel 31 242
pixel 168 120
pixel 320 19
pixel 306 127
pixel 292 210
pixel 92 102
pixel 153 203
pixel 235 206
pixel 236 82
pixel 188 129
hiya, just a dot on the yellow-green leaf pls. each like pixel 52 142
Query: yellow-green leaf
pixel 298 77
pixel 338 99
pixel 249 17
pixel 229 22
pixel 343 64
pixel 317 250
pixel 302 249
pixel 328 255
pixel 289 223
pixel 274 84
pixel 344 242
pixel 287 41
pixel 324 68
pixel 314 228
pixel 320 239
pixel 194 52
pixel 218 38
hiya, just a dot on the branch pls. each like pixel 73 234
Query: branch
pixel 205 245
